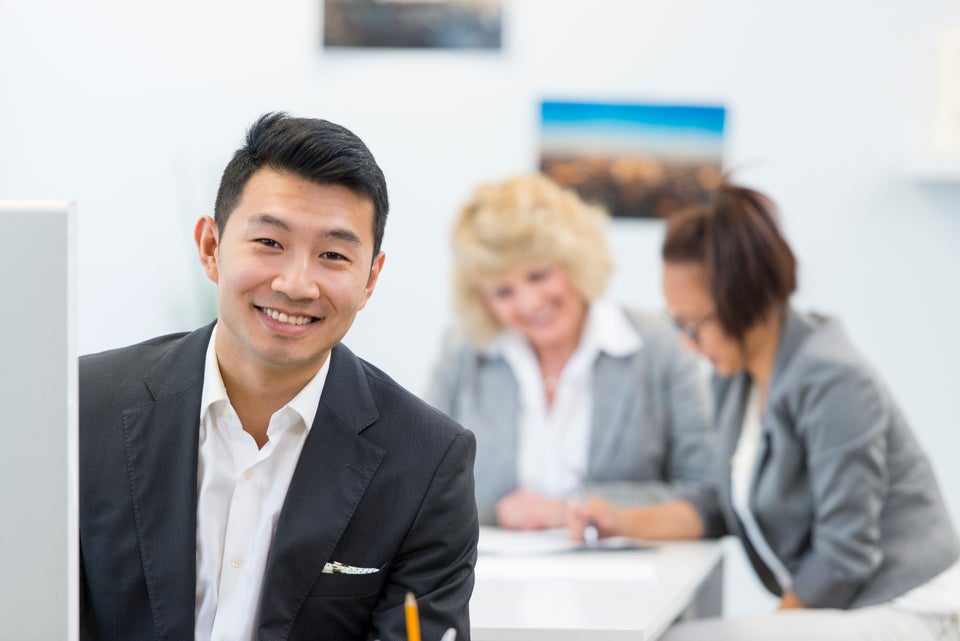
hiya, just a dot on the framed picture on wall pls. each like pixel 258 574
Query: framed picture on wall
pixel 430 24
pixel 637 160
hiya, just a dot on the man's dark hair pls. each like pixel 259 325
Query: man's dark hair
pixel 313 149
pixel 750 267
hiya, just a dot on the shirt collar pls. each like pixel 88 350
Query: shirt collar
pixel 304 403
pixel 609 330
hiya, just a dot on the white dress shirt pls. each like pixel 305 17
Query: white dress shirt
pixel 553 442
pixel 241 492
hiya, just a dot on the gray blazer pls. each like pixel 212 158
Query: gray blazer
pixel 842 491
pixel 649 439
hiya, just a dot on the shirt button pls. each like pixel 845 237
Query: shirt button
pixel 248 473
pixel 236 562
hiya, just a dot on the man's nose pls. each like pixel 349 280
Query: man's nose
pixel 297 279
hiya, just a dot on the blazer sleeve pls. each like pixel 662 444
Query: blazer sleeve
pixel 437 558
pixel 682 391
pixel 692 447
pixel 692 436
pixel 708 502
pixel 842 420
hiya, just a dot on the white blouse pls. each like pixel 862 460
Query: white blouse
pixel 742 467
pixel 553 442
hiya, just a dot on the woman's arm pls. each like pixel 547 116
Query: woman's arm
pixel 677 519
pixel 842 418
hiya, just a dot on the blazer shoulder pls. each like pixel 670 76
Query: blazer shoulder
pixel 455 341
pixel 659 337
pixel 131 353
pixel 396 401
pixel 662 354
pixel 827 355
pixel 827 379
pixel 647 324
pixel 117 369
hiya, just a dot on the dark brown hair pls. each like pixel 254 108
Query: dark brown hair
pixel 317 150
pixel 750 267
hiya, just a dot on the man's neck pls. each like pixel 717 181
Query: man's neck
pixel 255 393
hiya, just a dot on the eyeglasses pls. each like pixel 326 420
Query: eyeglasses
pixel 692 330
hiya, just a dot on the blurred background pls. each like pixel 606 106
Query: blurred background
pixel 841 111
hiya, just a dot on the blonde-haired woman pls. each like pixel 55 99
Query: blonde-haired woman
pixel 568 393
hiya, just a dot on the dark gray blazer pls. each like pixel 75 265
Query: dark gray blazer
pixel 842 491
pixel 383 481
pixel 649 439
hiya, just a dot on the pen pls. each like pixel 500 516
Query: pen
pixel 591 535
pixel 413 617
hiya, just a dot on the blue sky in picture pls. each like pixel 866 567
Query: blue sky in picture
pixel 677 131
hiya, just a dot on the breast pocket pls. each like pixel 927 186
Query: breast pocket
pixel 339 607
pixel 332 586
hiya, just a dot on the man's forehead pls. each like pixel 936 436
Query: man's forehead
pixel 268 184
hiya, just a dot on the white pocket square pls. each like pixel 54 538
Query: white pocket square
pixel 340 568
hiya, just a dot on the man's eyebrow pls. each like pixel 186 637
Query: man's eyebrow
pixel 343 234
pixel 268 219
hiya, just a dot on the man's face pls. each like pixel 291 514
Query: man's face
pixel 293 267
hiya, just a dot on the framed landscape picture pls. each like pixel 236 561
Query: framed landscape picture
pixel 637 160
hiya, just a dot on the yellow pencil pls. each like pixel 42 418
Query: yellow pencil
pixel 413 617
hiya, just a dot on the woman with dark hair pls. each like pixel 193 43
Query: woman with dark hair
pixel 817 471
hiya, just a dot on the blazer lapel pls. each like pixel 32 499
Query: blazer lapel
pixel 612 389
pixel 730 423
pixel 334 470
pixel 796 329
pixel 160 443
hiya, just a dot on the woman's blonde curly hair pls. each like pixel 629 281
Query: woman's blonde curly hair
pixel 523 219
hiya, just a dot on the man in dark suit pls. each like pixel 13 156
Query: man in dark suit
pixel 253 479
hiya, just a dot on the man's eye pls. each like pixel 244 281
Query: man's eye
pixel 333 256
pixel 268 242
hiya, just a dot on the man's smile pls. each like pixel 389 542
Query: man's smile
pixel 287 318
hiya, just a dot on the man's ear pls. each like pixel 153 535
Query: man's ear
pixel 375 268
pixel 207 237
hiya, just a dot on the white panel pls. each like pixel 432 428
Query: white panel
pixel 38 394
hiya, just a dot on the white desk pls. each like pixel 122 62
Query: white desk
pixel 597 596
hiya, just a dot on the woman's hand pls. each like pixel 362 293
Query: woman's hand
pixel 526 510
pixel 790 601
pixel 603 515
pixel 675 519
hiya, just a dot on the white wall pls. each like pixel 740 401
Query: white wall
pixel 132 110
